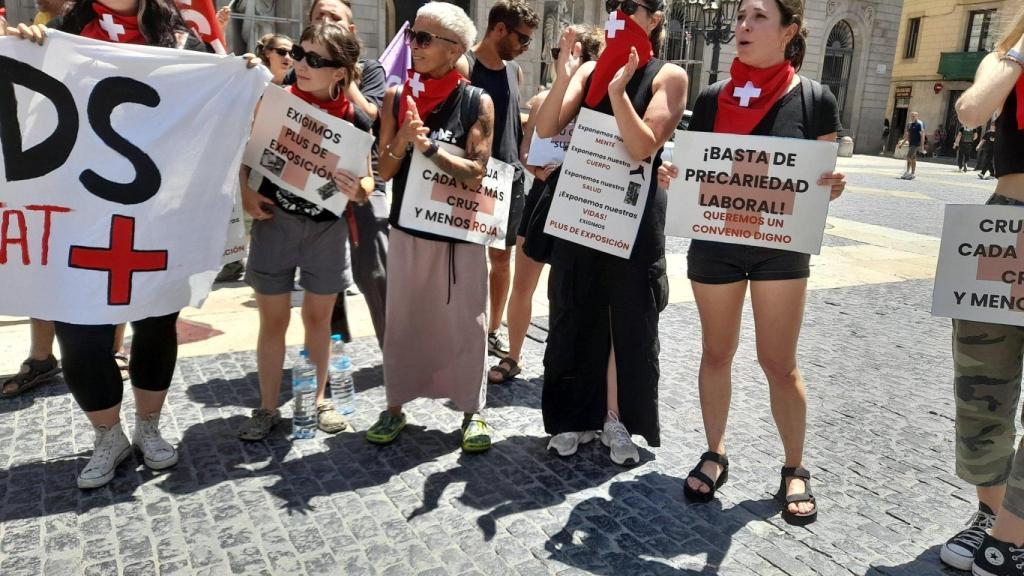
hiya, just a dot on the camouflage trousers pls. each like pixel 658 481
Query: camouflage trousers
pixel 987 362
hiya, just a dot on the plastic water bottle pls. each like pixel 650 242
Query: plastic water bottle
pixel 304 396
pixel 343 390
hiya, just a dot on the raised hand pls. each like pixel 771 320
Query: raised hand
pixel 625 74
pixel 569 51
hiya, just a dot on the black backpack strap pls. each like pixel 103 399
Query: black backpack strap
pixel 812 94
pixel 470 110
pixel 396 102
pixel 710 97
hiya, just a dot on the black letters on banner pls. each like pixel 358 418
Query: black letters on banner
pixel 51 153
pixel 109 94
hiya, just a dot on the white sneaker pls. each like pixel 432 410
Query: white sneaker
pixel 566 443
pixel 615 436
pixel 906 176
pixel 911 176
pixel 157 453
pixel 959 551
pixel 110 448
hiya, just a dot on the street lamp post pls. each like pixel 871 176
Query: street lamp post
pixel 714 19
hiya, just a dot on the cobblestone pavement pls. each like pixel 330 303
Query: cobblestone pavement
pixel 880 446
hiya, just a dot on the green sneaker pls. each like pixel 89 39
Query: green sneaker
pixel 386 429
pixel 476 434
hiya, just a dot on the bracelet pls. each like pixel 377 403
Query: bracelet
pixel 1015 57
pixel 392 154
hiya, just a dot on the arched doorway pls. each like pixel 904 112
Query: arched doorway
pixel 839 62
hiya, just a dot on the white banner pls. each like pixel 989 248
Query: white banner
pixel 544 151
pixel 117 176
pixel 436 203
pixel 299 147
pixel 980 274
pixel 752 190
pixel 602 192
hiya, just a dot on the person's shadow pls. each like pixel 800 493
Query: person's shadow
pixel 927 563
pixel 646 520
pixel 518 475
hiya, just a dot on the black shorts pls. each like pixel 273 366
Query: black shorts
pixel 720 263
pixel 515 212
pixel 531 202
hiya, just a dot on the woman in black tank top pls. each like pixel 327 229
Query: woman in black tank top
pixel 986 356
pixel 604 309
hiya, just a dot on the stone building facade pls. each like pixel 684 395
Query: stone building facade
pixel 941 43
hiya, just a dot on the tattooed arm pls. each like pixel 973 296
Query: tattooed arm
pixel 471 169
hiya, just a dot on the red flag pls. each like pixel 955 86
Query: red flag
pixel 201 16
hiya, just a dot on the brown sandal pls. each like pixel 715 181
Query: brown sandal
pixel 507 367
pixel 39 371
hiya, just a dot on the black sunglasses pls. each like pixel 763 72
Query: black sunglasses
pixel 423 39
pixel 282 52
pixel 313 60
pixel 629 7
pixel 524 40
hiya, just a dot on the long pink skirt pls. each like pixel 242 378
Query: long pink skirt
pixel 435 343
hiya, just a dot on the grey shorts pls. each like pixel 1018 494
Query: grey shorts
pixel 912 152
pixel 286 242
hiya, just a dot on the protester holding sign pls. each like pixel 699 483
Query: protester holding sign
pixel 291 232
pixel 90 369
pixel 763 97
pixel 528 270
pixel 986 356
pixel 605 308
pixel 435 344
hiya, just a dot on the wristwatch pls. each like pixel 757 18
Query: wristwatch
pixel 431 150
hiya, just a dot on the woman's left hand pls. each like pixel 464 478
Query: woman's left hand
pixel 349 185
pixel 623 76
pixel 836 181
pixel 251 60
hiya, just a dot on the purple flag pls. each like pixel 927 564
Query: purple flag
pixel 397 58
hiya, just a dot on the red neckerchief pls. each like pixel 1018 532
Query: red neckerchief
pixel 621 33
pixel 428 93
pixel 758 88
pixel 113 27
pixel 340 107
pixel 1020 102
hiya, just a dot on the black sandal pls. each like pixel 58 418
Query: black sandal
pixel 723 477
pixel 796 519
pixel 39 371
pixel 507 374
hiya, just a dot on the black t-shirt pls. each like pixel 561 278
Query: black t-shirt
pixel 785 119
pixel 1008 139
pixel 495 83
pixel 914 130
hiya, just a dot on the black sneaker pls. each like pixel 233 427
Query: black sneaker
pixel 998 558
pixel 959 551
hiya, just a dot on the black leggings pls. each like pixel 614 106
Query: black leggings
pixel 91 372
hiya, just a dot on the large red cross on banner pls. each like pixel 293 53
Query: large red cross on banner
pixel 485 204
pixel 754 169
pixel 296 175
pixel 992 268
pixel 120 260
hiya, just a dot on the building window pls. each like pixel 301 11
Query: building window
pixel 979 31
pixel 913 32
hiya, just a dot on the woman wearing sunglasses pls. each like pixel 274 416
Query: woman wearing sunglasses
pixel 290 232
pixel 276 52
pixel 435 344
pixel 87 351
pixel 601 363
pixel 770 43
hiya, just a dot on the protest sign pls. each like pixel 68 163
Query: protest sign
pixel 980 274
pixel 118 172
pixel 436 203
pixel 752 190
pixel 544 151
pixel 602 192
pixel 299 147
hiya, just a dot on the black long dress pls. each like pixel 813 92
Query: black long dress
pixel 596 297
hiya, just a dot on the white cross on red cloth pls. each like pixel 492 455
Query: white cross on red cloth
pixel 613 25
pixel 113 29
pixel 416 85
pixel 746 92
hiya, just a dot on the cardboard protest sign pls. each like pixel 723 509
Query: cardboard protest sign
pixel 544 151
pixel 602 192
pixel 299 147
pixel 980 274
pixel 118 173
pixel 752 190
pixel 436 203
